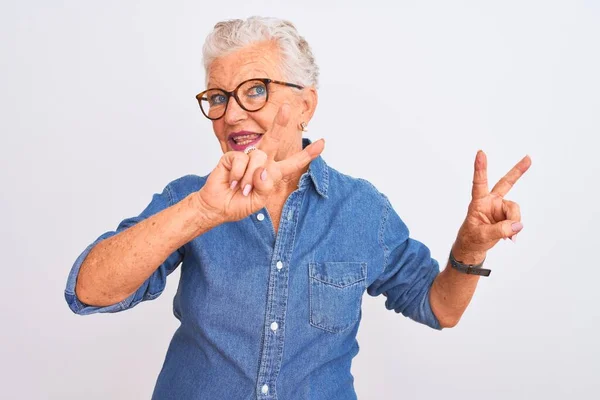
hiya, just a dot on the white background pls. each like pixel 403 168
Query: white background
pixel 98 113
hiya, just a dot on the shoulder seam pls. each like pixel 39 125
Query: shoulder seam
pixel 384 218
pixel 169 194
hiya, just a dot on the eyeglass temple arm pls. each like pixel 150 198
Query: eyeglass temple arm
pixel 287 84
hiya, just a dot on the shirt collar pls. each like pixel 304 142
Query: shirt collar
pixel 318 172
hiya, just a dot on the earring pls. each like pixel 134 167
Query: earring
pixel 303 127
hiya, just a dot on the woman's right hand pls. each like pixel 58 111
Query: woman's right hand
pixel 241 183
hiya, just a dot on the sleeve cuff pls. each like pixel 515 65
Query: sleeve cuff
pixel 427 314
pixel 76 305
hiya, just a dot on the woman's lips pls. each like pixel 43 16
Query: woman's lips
pixel 242 147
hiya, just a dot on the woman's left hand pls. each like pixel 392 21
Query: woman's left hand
pixel 490 216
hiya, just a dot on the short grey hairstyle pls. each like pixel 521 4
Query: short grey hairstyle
pixel 298 63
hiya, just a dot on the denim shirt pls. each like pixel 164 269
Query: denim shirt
pixel 275 316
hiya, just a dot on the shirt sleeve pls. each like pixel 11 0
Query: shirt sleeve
pixel 151 288
pixel 408 271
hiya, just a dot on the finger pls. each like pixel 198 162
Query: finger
pixel 227 163
pixel 513 213
pixel 507 182
pixel 263 182
pixel 271 140
pixel 258 158
pixel 502 230
pixel 480 182
pixel 239 162
pixel 512 210
pixel 301 159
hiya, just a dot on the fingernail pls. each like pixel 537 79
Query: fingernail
pixel 247 189
pixel 233 184
pixel 514 238
pixel 517 226
pixel 263 175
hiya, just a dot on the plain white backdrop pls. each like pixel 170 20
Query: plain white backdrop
pixel 98 113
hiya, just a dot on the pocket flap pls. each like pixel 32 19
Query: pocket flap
pixel 341 274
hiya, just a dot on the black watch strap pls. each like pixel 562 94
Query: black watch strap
pixel 469 269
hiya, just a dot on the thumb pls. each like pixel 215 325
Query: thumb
pixel 505 229
pixel 316 148
pixel 301 159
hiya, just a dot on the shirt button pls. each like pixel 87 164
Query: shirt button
pixel 274 326
pixel 260 216
pixel 279 265
pixel 265 389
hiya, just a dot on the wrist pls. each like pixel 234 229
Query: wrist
pixel 205 216
pixel 466 255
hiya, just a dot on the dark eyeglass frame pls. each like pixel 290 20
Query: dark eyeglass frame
pixel 233 93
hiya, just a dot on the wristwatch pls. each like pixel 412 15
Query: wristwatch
pixel 469 269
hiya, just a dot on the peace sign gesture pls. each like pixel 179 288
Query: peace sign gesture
pixel 490 216
pixel 241 183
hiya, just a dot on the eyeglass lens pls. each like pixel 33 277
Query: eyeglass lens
pixel 252 95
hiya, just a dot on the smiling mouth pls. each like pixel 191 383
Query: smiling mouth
pixel 245 139
pixel 240 142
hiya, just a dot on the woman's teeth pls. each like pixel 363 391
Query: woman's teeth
pixel 242 140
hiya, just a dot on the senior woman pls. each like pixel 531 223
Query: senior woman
pixel 276 247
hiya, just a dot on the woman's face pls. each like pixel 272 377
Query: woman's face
pixel 260 60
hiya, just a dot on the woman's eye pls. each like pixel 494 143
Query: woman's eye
pixel 217 99
pixel 258 90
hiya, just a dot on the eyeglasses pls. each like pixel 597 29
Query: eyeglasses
pixel 251 95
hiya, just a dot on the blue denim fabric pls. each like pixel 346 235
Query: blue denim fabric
pixel 275 316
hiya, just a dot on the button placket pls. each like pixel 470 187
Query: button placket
pixel 273 339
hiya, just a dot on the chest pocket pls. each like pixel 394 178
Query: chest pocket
pixel 336 290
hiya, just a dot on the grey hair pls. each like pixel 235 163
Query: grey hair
pixel 298 63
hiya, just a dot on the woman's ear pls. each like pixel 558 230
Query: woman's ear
pixel 310 98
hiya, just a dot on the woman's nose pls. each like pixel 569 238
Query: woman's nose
pixel 234 112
